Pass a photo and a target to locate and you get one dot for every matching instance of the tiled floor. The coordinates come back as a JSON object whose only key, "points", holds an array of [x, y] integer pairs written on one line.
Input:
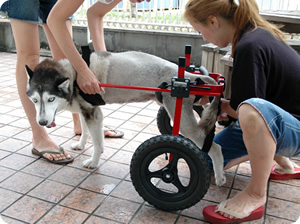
{"points": [[34, 191]]}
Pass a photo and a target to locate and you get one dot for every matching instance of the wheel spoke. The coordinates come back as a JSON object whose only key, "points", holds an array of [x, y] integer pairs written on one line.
{"points": [[157, 174], [177, 183], [173, 163]]}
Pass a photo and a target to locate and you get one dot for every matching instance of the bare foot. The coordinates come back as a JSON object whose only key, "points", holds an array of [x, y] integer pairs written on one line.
{"points": [[44, 143], [284, 162], [244, 203], [107, 133], [77, 130]]}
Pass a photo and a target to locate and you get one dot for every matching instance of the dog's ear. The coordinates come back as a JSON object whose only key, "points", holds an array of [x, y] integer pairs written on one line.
{"points": [[29, 71], [64, 84]]}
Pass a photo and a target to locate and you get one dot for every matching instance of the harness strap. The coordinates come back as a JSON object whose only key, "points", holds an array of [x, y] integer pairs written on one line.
{"points": [[158, 95], [86, 53]]}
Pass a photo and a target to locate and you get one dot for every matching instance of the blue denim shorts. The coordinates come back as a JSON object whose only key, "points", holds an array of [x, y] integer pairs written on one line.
{"points": [[33, 11], [284, 128]]}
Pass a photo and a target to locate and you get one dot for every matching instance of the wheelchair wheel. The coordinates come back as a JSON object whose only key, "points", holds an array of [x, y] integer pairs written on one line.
{"points": [[164, 122], [170, 172]]}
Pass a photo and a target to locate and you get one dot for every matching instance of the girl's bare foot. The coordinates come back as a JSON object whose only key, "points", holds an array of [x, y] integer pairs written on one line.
{"points": [[244, 203], [42, 142]]}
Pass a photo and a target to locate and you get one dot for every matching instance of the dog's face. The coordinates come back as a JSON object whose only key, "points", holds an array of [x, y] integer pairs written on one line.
{"points": [[49, 90]]}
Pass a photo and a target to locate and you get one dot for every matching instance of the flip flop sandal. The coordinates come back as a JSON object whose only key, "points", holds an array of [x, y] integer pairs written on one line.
{"points": [[62, 161], [211, 213], [117, 134], [280, 173]]}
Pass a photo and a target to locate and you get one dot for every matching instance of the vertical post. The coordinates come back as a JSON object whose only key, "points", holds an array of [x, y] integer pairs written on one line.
{"points": [[188, 52], [179, 100]]}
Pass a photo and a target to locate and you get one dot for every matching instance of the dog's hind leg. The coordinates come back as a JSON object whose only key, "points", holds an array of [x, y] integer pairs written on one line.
{"points": [[207, 123], [94, 122], [216, 156], [189, 127]]}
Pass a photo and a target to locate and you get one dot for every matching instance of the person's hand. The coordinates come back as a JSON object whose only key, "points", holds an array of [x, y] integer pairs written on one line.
{"points": [[204, 100], [222, 116], [138, 1], [87, 82]]}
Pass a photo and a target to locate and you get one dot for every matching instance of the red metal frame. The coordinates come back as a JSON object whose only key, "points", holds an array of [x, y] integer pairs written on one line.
{"points": [[212, 90], [206, 90]]}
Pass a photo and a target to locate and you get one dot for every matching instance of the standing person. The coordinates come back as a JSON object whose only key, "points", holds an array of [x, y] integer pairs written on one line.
{"points": [[62, 10], [265, 98], [95, 15], [86, 80], [25, 17]]}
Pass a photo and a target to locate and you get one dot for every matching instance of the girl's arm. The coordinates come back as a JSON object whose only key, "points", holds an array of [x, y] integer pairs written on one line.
{"points": [[58, 16], [225, 107]]}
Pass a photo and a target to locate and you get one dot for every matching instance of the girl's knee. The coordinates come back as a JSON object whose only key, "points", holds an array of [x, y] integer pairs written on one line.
{"points": [[31, 59], [250, 119], [247, 114], [94, 13]]}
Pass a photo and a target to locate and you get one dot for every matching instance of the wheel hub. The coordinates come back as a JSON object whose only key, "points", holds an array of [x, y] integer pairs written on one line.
{"points": [[168, 176]]}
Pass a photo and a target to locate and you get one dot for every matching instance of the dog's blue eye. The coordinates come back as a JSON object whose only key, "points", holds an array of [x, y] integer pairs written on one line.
{"points": [[34, 100], [51, 99]]}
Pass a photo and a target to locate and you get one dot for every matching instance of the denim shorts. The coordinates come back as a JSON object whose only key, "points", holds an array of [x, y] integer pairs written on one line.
{"points": [[33, 11], [284, 128]]}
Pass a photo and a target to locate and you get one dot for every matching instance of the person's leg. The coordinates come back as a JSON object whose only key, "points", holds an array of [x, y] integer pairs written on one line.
{"points": [[95, 15], [57, 54], [261, 150], [28, 53]]}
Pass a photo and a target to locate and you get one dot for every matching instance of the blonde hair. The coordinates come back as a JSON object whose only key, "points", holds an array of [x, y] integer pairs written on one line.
{"points": [[246, 13]]}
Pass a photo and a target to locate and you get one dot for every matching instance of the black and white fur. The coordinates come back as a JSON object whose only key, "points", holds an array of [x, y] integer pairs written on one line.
{"points": [[51, 88]]}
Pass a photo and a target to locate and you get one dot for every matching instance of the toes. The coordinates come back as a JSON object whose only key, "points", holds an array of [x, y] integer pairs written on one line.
{"points": [[49, 156], [58, 157], [226, 215]]}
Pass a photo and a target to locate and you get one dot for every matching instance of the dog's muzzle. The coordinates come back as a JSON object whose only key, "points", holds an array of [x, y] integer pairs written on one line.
{"points": [[45, 122]]}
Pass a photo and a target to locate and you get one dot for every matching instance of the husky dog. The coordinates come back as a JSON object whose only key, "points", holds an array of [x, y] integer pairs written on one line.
{"points": [[52, 88]]}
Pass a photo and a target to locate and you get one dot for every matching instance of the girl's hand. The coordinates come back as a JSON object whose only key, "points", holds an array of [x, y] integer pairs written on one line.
{"points": [[222, 116], [88, 83], [204, 100]]}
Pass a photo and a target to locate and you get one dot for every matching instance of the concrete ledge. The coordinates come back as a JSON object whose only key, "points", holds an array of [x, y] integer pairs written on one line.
{"points": [[162, 44]]}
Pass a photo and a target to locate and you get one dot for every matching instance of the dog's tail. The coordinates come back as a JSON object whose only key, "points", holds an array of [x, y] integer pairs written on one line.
{"points": [[209, 115]]}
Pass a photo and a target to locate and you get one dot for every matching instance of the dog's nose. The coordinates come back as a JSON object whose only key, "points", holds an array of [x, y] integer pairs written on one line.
{"points": [[43, 122]]}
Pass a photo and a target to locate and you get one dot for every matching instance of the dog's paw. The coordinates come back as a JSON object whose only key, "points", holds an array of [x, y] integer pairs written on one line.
{"points": [[89, 163], [77, 146], [220, 179]]}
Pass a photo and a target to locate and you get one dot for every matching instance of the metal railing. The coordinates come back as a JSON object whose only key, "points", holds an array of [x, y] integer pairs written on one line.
{"points": [[278, 5], [163, 15]]}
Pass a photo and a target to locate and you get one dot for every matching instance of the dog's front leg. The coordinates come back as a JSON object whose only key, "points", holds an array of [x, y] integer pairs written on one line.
{"points": [[94, 121], [216, 156], [84, 135]]}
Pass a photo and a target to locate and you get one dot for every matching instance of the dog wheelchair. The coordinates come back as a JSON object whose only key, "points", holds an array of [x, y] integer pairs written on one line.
{"points": [[169, 171]]}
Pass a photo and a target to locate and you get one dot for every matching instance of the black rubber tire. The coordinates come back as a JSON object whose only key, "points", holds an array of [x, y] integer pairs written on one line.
{"points": [[164, 122], [180, 148]]}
